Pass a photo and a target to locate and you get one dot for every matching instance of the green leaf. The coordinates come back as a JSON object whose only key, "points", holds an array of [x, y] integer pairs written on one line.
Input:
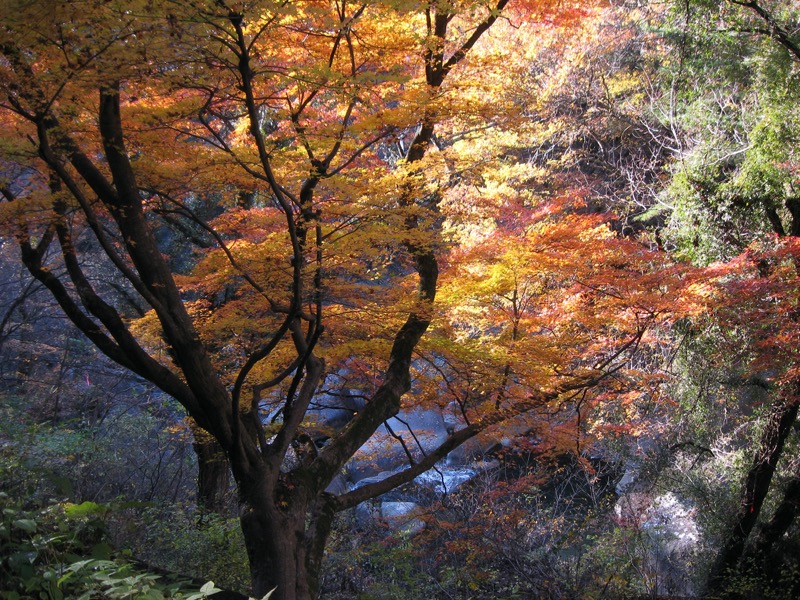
{"points": [[83, 509], [64, 578], [18, 559], [209, 587], [28, 525], [101, 551], [77, 566]]}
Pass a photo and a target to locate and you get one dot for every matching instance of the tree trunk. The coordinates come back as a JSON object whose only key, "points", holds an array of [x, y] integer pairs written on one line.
{"points": [[275, 538], [766, 557], [277, 563], [213, 477], [771, 533], [756, 486]]}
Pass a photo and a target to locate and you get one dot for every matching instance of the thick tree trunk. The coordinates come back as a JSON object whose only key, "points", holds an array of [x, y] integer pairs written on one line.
{"points": [[285, 524], [277, 563], [275, 538], [756, 486]]}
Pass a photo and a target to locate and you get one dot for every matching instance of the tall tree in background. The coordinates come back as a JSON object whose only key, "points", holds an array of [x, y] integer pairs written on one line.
{"points": [[337, 145], [734, 198]]}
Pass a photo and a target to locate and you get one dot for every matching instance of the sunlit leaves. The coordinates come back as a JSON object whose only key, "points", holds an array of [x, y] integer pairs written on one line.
{"points": [[274, 137]]}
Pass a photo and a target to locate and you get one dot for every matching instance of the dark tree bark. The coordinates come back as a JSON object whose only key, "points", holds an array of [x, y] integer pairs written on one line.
{"points": [[213, 475], [770, 533], [756, 487]]}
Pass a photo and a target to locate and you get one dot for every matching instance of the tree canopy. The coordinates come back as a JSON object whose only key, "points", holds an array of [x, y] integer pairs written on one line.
{"points": [[508, 213]]}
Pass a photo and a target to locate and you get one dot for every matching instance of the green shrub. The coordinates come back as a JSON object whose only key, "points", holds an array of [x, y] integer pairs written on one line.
{"points": [[176, 538], [60, 551]]}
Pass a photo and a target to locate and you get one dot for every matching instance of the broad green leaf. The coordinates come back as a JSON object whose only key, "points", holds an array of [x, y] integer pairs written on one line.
{"points": [[28, 525]]}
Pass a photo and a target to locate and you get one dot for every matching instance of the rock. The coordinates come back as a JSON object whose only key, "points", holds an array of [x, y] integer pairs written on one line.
{"points": [[400, 516], [338, 486], [670, 533]]}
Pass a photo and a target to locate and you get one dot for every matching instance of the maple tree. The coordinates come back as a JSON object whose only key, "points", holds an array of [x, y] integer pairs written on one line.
{"points": [[333, 160]]}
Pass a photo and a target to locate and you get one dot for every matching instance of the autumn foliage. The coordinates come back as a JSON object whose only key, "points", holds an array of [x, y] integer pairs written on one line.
{"points": [[260, 206]]}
